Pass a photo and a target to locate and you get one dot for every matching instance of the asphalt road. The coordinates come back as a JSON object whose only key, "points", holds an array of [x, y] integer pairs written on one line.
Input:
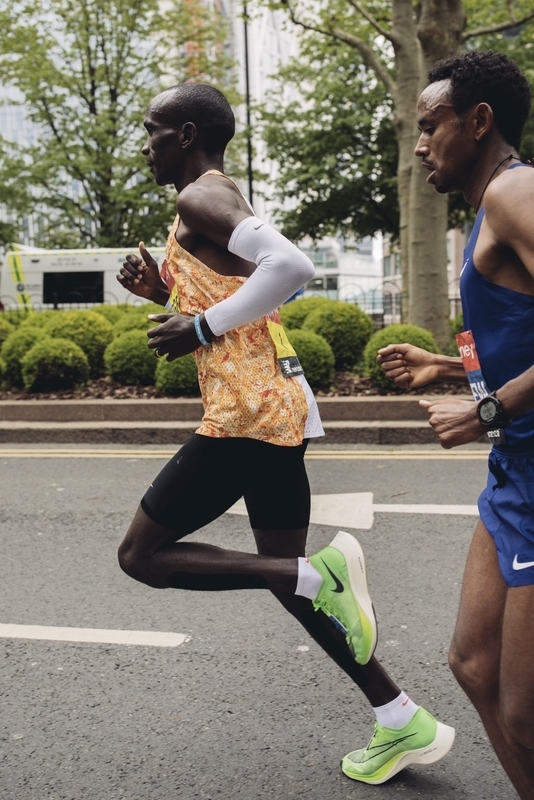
{"points": [[246, 707]]}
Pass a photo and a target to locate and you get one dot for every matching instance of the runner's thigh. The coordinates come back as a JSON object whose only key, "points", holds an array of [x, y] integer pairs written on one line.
{"points": [[202, 481]]}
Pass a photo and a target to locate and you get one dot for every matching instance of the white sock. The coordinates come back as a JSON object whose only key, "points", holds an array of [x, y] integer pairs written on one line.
{"points": [[397, 713], [309, 580]]}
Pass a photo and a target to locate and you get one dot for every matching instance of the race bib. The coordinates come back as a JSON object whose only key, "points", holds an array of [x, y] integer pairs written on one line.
{"points": [[285, 352], [479, 388]]}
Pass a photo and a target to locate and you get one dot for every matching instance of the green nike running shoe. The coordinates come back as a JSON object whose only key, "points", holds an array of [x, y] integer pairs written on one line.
{"points": [[344, 596], [423, 740]]}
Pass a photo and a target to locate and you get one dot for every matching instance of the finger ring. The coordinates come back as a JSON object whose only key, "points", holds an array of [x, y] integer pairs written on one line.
{"points": [[158, 354]]}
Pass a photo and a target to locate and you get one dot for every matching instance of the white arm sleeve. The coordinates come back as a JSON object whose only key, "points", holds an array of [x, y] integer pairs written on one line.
{"points": [[281, 269]]}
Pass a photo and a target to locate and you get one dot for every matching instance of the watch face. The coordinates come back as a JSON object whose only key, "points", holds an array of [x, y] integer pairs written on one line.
{"points": [[487, 411]]}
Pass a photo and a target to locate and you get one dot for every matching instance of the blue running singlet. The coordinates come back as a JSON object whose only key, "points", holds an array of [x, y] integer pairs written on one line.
{"points": [[502, 323]]}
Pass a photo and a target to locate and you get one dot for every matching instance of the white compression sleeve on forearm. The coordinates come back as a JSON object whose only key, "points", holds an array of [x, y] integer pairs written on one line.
{"points": [[281, 269]]}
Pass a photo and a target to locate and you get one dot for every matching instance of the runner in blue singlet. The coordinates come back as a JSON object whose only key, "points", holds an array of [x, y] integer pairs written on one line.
{"points": [[471, 116]]}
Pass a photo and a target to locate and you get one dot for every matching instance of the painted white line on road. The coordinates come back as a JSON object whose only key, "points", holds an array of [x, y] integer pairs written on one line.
{"points": [[92, 635], [356, 509], [422, 508]]}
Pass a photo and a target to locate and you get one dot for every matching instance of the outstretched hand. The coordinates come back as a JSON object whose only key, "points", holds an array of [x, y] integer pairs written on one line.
{"points": [[408, 366], [140, 276], [174, 337]]}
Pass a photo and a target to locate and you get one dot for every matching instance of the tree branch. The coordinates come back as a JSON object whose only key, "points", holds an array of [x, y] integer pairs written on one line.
{"points": [[503, 26], [366, 52], [372, 20]]}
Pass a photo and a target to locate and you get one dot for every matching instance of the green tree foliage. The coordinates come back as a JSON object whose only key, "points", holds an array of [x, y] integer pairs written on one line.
{"points": [[85, 71], [335, 145]]}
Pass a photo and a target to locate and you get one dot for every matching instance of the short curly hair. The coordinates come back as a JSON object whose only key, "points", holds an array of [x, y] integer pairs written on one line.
{"points": [[492, 78], [204, 105]]}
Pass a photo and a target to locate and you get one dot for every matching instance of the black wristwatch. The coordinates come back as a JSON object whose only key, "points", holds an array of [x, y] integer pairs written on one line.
{"points": [[491, 413]]}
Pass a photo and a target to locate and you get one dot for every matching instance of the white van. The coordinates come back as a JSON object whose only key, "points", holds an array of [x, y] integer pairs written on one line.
{"points": [[44, 279]]}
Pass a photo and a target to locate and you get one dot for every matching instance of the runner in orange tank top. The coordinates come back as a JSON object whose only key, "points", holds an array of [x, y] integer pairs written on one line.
{"points": [[224, 275]]}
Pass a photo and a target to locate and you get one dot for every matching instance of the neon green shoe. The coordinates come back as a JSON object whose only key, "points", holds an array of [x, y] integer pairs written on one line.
{"points": [[423, 740], [344, 596]]}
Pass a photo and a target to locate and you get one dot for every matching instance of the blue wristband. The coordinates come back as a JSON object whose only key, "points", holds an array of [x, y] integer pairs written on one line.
{"points": [[199, 332]]}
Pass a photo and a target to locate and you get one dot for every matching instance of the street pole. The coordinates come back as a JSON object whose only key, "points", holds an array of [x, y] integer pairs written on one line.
{"points": [[247, 102]]}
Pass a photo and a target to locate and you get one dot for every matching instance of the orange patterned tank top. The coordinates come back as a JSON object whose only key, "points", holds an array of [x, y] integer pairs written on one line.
{"points": [[243, 389]]}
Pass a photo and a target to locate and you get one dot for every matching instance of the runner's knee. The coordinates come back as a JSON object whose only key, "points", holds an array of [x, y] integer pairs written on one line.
{"points": [[476, 672], [138, 565]]}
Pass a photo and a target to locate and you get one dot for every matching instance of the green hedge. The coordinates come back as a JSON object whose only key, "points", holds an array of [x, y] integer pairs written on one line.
{"points": [[2, 369], [394, 334], [16, 315], [53, 365], [179, 377], [315, 355], [294, 313], [128, 359], [39, 319], [13, 351], [345, 327], [6, 329], [88, 330], [132, 322], [112, 313]]}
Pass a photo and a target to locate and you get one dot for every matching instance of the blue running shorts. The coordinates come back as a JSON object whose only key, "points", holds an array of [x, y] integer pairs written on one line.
{"points": [[506, 508]]}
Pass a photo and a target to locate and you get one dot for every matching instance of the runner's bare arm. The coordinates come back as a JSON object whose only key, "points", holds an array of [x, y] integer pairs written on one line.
{"points": [[411, 367]]}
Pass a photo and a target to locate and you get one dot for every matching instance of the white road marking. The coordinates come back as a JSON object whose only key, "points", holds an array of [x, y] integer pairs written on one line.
{"points": [[92, 635], [356, 509]]}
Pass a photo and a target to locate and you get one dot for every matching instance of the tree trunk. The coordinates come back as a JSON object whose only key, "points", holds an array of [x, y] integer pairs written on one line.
{"points": [[406, 46], [423, 212], [439, 29]]}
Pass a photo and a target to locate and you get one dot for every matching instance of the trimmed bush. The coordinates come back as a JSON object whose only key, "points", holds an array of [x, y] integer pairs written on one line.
{"points": [[345, 327], [132, 322], [394, 334], [6, 329], [147, 308], [53, 365], [129, 361], [179, 377], [2, 369], [315, 355], [112, 313], [88, 330], [13, 351], [294, 313], [39, 319], [16, 315]]}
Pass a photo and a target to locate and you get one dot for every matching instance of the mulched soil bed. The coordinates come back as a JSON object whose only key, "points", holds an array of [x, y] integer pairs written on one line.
{"points": [[343, 385]]}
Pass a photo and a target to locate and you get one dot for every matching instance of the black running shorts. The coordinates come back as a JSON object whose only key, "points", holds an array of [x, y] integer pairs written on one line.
{"points": [[207, 476]]}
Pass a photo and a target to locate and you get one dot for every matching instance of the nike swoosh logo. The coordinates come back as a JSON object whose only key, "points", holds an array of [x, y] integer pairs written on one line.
{"points": [[380, 749], [339, 585], [522, 564], [257, 227]]}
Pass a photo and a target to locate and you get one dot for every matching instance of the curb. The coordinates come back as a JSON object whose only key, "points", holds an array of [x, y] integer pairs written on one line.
{"points": [[347, 420]]}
